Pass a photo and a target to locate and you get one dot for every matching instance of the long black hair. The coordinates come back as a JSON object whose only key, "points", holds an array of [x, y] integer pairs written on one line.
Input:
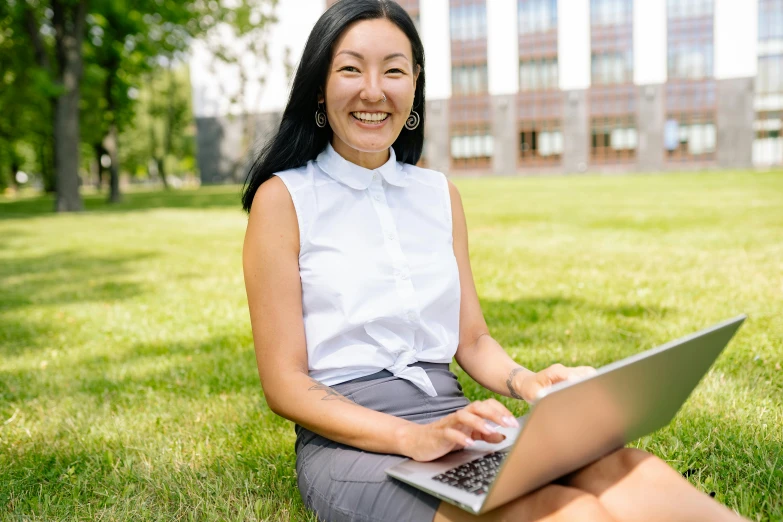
{"points": [[298, 139]]}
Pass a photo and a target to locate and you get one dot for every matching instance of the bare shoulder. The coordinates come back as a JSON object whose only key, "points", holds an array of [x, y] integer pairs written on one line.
{"points": [[273, 215], [454, 193]]}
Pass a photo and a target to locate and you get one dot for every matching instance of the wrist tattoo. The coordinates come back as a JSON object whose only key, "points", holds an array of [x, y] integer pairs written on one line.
{"points": [[331, 394], [510, 383]]}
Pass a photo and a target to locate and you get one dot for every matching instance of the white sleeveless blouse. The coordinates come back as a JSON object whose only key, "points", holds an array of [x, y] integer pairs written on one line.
{"points": [[380, 284]]}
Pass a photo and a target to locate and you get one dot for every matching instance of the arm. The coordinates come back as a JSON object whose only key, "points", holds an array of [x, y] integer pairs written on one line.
{"points": [[274, 292], [478, 353]]}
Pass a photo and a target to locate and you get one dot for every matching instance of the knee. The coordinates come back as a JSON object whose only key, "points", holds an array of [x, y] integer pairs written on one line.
{"points": [[560, 503], [631, 460], [627, 459]]}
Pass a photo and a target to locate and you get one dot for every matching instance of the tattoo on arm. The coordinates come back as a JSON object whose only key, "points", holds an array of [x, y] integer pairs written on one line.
{"points": [[510, 381], [331, 395]]}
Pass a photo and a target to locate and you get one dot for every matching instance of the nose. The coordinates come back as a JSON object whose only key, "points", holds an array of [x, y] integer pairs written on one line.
{"points": [[371, 88]]}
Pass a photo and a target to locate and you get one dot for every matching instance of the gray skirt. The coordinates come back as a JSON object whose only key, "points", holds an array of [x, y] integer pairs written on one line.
{"points": [[343, 483]]}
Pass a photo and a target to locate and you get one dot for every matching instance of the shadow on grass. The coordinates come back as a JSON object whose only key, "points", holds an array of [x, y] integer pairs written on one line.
{"points": [[226, 196], [528, 322], [226, 363], [76, 477], [194, 370], [57, 278], [66, 276], [249, 480]]}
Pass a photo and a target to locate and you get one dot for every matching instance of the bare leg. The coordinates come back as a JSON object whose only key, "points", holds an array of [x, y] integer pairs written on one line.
{"points": [[552, 503], [636, 486]]}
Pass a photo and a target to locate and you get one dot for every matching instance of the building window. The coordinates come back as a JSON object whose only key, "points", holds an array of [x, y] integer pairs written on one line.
{"points": [[768, 143], [469, 79], [468, 21], [537, 16], [611, 12], [688, 137], [690, 39], [539, 101], [471, 147], [469, 115], [612, 67], [540, 142], [613, 139], [538, 75], [691, 92], [612, 96]]}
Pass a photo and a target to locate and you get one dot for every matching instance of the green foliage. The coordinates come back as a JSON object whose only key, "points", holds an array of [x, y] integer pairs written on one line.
{"points": [[128, 383], [163, 126], [126, 43], [25, 90]]}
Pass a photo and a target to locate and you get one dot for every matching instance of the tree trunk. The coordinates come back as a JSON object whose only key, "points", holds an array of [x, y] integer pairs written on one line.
{"points": [[45, 154], [100, 170], [14, 169], [160, 163], [66, 152], [68, 21], [110, 143], [167, 139]]}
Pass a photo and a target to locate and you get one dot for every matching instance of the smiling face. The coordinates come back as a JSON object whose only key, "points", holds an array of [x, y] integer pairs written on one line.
{"points": [[371, 59]]}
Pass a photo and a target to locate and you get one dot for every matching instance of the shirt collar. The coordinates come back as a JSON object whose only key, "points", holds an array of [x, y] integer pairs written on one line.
{"points": [[356, 177]]}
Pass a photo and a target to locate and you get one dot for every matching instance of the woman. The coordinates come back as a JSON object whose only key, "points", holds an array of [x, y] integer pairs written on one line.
{"points": [[360, 293]]}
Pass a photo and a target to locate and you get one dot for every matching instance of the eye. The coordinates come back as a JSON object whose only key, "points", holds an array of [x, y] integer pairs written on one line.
{"points": [[396, 71], [351, 67]]}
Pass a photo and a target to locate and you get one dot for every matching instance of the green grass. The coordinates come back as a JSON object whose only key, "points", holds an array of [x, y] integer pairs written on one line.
{"points": [[128, 384]]}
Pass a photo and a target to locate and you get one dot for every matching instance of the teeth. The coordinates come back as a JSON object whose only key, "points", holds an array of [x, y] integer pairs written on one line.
{"points": [[370, 116]]}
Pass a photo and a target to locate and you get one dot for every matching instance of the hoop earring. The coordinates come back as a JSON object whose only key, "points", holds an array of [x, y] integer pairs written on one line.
{"points": [[320, 117], [413, 120]]}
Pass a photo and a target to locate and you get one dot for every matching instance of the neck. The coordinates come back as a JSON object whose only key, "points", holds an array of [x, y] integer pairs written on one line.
{"points": [[368, 160]]}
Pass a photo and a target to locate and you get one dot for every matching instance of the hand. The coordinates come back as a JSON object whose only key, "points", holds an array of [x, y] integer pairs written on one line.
{"points": [[530, 385], [425, 442]]}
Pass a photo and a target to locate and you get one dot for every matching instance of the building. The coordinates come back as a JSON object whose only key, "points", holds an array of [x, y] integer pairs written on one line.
{"points": [[561, 86]]}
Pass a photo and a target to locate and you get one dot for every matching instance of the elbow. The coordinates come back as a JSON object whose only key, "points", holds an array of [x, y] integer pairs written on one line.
{"points": [[274, 404]]}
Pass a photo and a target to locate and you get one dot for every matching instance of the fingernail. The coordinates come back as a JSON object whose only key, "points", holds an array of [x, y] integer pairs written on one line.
{"points": [[469, 441], [511, 422], [490, 428]]}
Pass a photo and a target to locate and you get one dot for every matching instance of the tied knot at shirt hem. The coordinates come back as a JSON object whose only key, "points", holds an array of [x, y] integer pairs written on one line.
{"points": [[414, 374]]}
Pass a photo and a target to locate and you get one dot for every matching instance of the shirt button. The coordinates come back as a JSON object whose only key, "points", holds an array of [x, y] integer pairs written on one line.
{"points": [[404, 276], [374, 177], [391, 237], [377, 197]]}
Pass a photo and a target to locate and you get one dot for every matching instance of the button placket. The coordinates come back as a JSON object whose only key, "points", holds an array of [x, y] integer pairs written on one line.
{"points": [[399, 261]]}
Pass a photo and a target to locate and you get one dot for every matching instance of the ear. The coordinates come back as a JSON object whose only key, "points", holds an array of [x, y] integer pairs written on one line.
{"points": [[416, 76], [321, 97]]}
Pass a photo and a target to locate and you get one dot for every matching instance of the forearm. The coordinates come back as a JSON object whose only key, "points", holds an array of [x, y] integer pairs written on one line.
{"points": [[322, 410], [490, 366]]}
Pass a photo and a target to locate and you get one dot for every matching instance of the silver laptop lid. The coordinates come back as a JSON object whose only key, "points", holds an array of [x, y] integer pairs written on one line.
{"points": [[577, 423]]}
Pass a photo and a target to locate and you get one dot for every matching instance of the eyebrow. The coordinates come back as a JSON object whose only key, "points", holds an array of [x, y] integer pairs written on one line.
{"points": [[385, 59]]}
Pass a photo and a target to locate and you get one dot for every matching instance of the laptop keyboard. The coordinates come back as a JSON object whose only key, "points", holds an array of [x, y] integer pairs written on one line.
{"points": [[474, 476]]}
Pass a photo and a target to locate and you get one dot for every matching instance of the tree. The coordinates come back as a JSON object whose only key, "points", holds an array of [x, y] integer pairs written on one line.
{"points": [[161, 138], [68, 19], [25, 109], [116, 41]]}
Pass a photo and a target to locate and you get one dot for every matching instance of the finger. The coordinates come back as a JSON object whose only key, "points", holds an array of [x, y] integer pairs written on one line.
{"points": [[457, 437], [552, 375], [468, 418], [581, 372], [492, 438], [495, 412]]}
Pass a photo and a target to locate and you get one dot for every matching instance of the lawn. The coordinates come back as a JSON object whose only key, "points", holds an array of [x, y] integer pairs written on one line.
{"points": [[128, 384]]}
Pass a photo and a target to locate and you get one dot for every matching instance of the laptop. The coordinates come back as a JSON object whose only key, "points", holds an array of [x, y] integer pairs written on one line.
{"points": [[572, 424]]}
